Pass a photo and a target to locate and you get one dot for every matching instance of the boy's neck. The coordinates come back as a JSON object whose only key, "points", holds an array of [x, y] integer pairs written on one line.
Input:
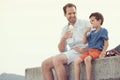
{"points": [[98, 28]]}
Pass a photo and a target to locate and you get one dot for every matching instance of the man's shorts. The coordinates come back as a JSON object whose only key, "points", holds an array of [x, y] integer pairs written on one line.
{"points": [[71, 55], [94, 53]]}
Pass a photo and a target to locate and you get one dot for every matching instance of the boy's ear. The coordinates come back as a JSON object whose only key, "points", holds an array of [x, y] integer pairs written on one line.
{"points": [[100, 21]]}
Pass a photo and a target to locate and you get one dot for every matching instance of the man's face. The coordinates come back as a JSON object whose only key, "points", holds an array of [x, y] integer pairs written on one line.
{"points": [[71, 14]]}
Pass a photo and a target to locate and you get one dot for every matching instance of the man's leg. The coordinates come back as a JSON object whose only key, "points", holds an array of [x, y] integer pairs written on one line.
{"points": [[88, 67], [77, 68], [47, 66], [59, 62]]}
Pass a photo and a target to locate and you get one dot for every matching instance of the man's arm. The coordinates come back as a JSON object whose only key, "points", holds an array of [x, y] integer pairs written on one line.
{"points": [[62, 44]]}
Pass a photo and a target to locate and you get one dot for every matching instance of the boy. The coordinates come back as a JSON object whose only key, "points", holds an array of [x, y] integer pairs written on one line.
{"points": [[97, 40]]}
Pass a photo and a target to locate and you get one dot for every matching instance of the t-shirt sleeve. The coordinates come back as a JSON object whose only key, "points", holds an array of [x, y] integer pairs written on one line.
{"points": [[63, 32], [105, 35]]}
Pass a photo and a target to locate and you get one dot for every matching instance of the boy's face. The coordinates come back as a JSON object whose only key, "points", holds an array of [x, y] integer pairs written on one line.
{"points": [[71, 14], [96, 23]]}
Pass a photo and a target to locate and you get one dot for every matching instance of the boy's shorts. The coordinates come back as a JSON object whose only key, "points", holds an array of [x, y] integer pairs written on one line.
{"points": [[94, 53], [71, 55]]}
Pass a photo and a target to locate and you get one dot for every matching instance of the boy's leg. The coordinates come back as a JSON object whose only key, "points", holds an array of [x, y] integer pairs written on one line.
{"points": [[77, 68], [87, 61], [93, 54], [47, 66], [77, 65], [59, 64]]}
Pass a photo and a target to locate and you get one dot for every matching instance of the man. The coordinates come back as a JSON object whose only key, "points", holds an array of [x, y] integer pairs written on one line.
{"points": [[59, 61]]}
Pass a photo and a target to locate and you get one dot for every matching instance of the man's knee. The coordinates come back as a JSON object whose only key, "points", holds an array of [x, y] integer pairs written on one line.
{"points": [[44, 64], [59, 60], [77, 61], [47, 64], [56, 61]]}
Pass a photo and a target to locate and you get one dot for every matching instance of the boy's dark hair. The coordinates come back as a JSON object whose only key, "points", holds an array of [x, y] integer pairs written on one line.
{"points": [[98, 16], [68, 5]]}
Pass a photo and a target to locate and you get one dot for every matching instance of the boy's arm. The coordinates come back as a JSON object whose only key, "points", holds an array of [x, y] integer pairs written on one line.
{"points": [[85, 34], [106, 43], [85, 38]]}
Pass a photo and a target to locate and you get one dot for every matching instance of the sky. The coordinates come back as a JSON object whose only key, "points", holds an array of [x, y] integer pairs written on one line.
{"points": [[30, 29]]}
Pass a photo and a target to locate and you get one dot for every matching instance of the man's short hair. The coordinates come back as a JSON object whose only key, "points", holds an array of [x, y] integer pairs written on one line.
{"points": [[68, 5]]}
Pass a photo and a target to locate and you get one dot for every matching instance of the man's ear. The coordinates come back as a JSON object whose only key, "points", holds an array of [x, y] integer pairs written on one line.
{"points": [[64, 14]]}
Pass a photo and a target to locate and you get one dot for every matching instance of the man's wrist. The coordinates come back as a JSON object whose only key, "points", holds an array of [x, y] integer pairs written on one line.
{"points": [[64, 37]]}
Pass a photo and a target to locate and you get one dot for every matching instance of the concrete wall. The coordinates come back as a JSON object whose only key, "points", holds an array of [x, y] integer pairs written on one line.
{"points": [[103, 69]]}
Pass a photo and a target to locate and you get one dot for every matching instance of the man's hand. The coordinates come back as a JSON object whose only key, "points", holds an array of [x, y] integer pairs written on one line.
{"points": [[80, 50], [77, 49], [68, 34]]}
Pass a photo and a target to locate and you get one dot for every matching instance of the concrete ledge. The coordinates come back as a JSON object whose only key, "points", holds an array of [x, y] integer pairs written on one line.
{"points": [[35, 74], [103, 69]]}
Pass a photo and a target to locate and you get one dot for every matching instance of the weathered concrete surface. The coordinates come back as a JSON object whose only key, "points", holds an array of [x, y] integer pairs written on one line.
{"points": [[103, 69], [35, 74]]}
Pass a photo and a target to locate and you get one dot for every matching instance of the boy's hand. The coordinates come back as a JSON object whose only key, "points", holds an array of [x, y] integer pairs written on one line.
{"points": [[87, 31], [102, 55]]}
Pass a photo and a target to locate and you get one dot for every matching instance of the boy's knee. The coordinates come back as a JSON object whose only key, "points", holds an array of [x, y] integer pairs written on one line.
{"points": [[88, 59]]}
